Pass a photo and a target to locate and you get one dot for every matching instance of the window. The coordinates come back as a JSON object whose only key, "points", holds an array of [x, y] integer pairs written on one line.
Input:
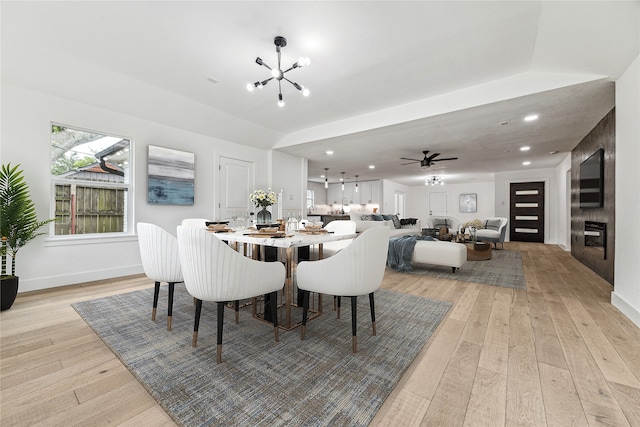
{"points": [[310, 199], [91, 180]]}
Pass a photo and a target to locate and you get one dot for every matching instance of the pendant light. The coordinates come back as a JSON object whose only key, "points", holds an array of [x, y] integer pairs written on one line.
{"points": [[326, 178], [356, 183], [342, 179]]}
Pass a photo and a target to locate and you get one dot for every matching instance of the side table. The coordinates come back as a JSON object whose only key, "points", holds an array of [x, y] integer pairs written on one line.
{"points": [[478, 251]]}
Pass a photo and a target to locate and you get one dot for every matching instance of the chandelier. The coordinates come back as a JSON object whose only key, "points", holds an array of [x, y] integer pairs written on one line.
{"points": [[278, 74], [434, 180]]}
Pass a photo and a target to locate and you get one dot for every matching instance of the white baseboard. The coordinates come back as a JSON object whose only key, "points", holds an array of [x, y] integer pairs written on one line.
{"points": [[627, 309], [71, 279]]}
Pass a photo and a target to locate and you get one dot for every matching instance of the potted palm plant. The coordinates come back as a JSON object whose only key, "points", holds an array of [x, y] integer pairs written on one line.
{"points": [[18, 226]]}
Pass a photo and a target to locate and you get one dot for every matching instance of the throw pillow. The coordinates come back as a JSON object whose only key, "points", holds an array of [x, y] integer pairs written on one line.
{"points": [[366, 217], [408, 221], [377, 217], [387, 217], [493, 224], [396, 221]]}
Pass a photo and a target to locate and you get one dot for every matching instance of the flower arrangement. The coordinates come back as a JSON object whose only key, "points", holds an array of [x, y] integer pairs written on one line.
{"points": [[476, 223], [263, 198]]}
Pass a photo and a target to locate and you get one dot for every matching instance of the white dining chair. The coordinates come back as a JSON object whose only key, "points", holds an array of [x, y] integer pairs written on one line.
{"points": [[160, 262], [338, 228], [215, 272], [356, 270], [194, 222]]}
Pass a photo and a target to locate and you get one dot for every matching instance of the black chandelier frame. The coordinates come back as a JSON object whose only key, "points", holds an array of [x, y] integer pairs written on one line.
{"points": [[278, 74]]}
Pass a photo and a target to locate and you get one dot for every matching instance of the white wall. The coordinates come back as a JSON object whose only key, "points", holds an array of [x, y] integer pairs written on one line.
{"points": [[419, 200], [551, 196], [387, 202], [25, 139], [289, 174], [562, 223], [626, 294]]}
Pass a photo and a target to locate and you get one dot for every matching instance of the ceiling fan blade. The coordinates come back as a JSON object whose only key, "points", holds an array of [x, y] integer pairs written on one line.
{"points": [[413, 160], [431, 157], [410, 163], [448, 158]]}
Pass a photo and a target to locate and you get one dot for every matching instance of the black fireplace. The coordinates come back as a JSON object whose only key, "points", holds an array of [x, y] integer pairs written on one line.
{"points": [[595, 236]]}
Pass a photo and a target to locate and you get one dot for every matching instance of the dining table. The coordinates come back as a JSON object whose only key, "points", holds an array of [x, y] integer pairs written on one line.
{"points": [[250, 241]]}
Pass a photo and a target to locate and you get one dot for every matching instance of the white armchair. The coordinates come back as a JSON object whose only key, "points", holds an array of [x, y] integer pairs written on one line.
{"points": [[495, 230], [215, 272], [356, 270], [160, 261]]}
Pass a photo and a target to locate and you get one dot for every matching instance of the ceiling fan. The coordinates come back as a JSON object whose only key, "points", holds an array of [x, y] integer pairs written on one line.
{"points": [[427, 161]]}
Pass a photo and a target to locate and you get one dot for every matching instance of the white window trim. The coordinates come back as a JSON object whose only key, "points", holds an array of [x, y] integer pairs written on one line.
{"points": [[74, 239]]}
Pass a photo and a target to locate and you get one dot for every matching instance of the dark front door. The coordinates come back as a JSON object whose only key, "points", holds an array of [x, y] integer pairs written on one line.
{"points": [[526, 212]]}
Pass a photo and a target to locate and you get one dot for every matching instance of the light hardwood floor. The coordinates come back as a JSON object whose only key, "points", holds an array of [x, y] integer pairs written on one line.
{"points": [[557, 354]]}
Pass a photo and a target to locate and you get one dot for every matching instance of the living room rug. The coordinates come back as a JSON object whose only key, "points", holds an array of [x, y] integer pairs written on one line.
{"points": [[503, 269], [314, 382]]}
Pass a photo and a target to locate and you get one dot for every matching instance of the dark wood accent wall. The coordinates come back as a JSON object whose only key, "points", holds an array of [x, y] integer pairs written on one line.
{"points": [[602, 136]]}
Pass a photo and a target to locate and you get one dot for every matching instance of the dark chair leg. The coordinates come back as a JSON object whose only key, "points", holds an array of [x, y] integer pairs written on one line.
{"points": [[236, 306], [170, 305], [305, 313], [219, 335], [338, 309], [453, 270], [354, 317], [274, 315], [196, 323], [156, 292], [373, 312]]}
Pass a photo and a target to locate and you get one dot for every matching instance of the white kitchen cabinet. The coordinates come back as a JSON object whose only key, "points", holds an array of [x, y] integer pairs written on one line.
{"points": [[368, 192]]}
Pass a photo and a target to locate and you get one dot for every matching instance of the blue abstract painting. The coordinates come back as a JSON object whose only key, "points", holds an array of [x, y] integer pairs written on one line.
{"points": [[170, 176]]}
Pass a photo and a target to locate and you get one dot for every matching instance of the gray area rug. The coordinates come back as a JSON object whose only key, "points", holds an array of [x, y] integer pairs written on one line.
{"points": [[260, 382], [503, 269]]}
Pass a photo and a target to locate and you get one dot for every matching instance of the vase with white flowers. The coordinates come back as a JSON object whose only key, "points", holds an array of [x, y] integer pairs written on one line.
{"points": [[263, 199], [473, 226]]}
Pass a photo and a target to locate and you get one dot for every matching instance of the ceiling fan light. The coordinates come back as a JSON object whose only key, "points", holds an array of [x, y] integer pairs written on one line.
{"points": [[251, 86], [305, 91]]}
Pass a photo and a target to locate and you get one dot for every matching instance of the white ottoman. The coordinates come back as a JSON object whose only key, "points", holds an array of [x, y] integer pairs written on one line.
{"points": [[437, 252]]}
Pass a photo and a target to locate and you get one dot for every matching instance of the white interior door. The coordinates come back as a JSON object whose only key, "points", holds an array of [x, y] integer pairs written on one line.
{"points": [[398, 202], [438, 204], [236, 183]]}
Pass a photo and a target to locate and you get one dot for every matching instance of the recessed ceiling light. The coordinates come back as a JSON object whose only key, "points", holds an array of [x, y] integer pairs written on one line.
{"points": [[527, 163], [372, 167], [328, 152], [531, 118], [525, 148]]}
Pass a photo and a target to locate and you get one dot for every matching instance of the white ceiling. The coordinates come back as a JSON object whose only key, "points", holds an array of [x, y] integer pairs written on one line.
{"points": [[387, 79]]}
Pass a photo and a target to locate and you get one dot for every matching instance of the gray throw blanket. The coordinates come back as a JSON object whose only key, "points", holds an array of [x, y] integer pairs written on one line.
{"points": [[400, 251]]}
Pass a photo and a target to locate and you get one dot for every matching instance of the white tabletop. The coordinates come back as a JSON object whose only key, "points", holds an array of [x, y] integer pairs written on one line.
{"points": [[292, 240]]}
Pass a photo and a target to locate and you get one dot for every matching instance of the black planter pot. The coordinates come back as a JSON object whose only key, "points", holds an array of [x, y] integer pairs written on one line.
{"points": [[9, 291]]}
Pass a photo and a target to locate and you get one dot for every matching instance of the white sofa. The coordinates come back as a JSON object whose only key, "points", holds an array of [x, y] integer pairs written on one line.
{"points": [[404, 230]]}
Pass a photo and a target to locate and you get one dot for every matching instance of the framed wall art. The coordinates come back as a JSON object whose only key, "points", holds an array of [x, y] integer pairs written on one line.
{"points": [[170, 176], [468, 203]]}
